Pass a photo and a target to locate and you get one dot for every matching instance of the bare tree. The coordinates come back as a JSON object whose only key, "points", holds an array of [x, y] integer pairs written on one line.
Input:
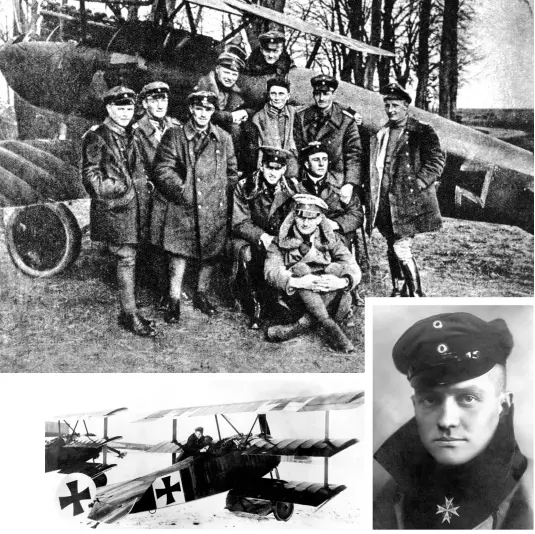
{"points": [[422, 69], [375, 40], [389, 42], [449, 69]]}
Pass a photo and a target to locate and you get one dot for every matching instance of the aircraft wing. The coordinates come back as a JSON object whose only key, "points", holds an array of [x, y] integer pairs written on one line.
{"points": [[89, 415], [86, 443], [305, 493], [236, 7], [313, 403], [324, 448]]}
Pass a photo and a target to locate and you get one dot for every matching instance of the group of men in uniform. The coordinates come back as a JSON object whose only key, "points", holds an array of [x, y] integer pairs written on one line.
{"points": [[291, 218]]}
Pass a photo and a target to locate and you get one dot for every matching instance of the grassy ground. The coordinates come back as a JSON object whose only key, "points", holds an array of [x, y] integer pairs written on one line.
{"points": [[69, 323]]}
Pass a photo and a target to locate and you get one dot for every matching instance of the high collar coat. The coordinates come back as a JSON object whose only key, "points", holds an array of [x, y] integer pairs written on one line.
{"points": [[417, 154], [190, 214]]}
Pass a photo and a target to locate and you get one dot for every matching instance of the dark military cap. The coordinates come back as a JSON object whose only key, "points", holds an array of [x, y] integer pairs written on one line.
{"points": [[271, 37], [450, 348], [154, 89], [324, 82], [200, 429], [278, 82], [231, 61], [394, 91], [312, 148], [271, 154], [309, 206], [202, 98], [120, 96]]}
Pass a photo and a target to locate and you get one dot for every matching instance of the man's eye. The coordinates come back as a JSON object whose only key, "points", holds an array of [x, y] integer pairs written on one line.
{"points": [[467, 399], [428, 401]]}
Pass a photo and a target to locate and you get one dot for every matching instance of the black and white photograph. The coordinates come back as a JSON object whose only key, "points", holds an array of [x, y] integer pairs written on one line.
{"points": [[207, 451], [218, 186], [453, 416]]}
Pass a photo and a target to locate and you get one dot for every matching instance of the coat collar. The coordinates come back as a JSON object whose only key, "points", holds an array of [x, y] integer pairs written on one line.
{"points": [[214, 86], [148, 128], [336, 117], [115, 128], [288, 239], [412, 125], [190, 131]]}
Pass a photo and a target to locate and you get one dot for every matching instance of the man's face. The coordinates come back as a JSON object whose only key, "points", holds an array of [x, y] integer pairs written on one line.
{"points": [[198, 433], [396, 110], [456, 422], [201, 115], [121, 115], [272, 52], [227, 77], [156, 106], [307, 225], [273, 173], [278, 96], [317, 164], [323, 98]]}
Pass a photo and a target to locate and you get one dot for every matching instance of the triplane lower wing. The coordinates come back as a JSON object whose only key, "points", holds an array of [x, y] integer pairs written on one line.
{"points": [[237, 464]]}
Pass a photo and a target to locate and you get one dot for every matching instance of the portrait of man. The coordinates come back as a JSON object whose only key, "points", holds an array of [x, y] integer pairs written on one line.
{"points": [[449, 452]]}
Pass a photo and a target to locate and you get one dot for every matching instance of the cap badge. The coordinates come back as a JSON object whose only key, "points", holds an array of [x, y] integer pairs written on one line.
{"points": [[437, 324], [448, 510], [474, 354], [442, 348]]}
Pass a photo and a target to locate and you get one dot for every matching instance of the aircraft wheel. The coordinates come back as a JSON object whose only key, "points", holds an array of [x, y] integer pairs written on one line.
{"points": [[283, 510], [43, 240], [101, 480]]}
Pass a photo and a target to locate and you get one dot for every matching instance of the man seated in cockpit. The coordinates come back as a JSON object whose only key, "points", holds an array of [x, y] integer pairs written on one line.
{"points": [[270, 58]]}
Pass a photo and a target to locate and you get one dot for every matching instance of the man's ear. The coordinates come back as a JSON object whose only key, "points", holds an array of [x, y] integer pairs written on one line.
{"points": [[307, 165], [413, 399], [506, 401]]}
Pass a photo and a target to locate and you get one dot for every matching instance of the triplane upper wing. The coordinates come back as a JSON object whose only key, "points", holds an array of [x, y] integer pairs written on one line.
{"points": [[237, 7]]}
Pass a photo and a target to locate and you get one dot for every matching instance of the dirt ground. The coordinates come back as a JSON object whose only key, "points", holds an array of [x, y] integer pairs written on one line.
{"points": [[69, 323]]}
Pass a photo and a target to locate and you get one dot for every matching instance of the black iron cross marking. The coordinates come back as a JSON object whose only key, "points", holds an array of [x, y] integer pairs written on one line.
{"points": [[75, 498], [168, 490]]}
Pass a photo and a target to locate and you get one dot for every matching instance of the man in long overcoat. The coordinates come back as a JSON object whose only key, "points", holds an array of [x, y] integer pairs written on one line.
{"points": [[405, 163], [194, 174], [337, 128], [261, 203], [115, 178]]}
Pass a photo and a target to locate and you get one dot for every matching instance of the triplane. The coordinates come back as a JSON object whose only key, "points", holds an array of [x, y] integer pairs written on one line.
{"points": [[244, 464]]}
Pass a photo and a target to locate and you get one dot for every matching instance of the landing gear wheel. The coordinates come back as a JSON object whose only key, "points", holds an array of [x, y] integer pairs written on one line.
{"points": [[101, 480], [43, 240], [282, 510]]}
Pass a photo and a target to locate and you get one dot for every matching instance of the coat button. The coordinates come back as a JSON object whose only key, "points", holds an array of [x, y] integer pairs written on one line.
{"points": [[199, 206], [412, 190]]}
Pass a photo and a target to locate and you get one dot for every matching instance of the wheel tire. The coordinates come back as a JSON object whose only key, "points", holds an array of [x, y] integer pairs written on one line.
{"points": [[43, 239], [283, 510], [101, 480]]}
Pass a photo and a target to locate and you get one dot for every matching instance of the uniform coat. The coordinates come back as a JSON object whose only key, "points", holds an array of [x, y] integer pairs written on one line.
{"points": [[348, 216], [327, 255], [340, 134], [149, 138], [190, 209], [114, 176], [417, 154]]}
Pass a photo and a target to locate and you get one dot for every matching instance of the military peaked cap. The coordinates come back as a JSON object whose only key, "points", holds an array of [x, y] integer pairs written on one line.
{"points": [[312, 148], [271, 37], [271, 154], [120, 96], [324, 82], [231, 61], [153, 89], [199, 429], [450, 348], [309, 206], [394, 91], [202, 98]]}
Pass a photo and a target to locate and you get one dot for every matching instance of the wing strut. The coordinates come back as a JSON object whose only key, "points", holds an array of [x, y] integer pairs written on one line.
{"points": [[173, 457], [326, 459], [217, 424], [233, 427], [313, 54], [105, 449]]}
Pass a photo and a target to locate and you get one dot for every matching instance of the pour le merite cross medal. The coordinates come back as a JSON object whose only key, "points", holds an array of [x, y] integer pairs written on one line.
{"points": [[448, 510]]}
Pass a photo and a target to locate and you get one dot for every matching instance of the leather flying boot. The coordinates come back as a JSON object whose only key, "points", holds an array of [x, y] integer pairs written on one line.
{"points": [[172, 313], [133, 323], [254, 323], [278, 333], [201, 302], [412, 278], [396, 274], [338, 341]]}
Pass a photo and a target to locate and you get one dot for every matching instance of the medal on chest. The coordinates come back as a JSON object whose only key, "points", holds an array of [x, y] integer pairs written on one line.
{"points": [[448, 510]]}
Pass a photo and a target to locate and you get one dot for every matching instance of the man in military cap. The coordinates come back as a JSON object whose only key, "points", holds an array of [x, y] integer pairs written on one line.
{"points": [[115, 178], [270, 58], [261, 203], [337, 128], [273, 125], [148, 130], [317, 179], [194, 174], [405, 163], [314, 272], [456, 464]]}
